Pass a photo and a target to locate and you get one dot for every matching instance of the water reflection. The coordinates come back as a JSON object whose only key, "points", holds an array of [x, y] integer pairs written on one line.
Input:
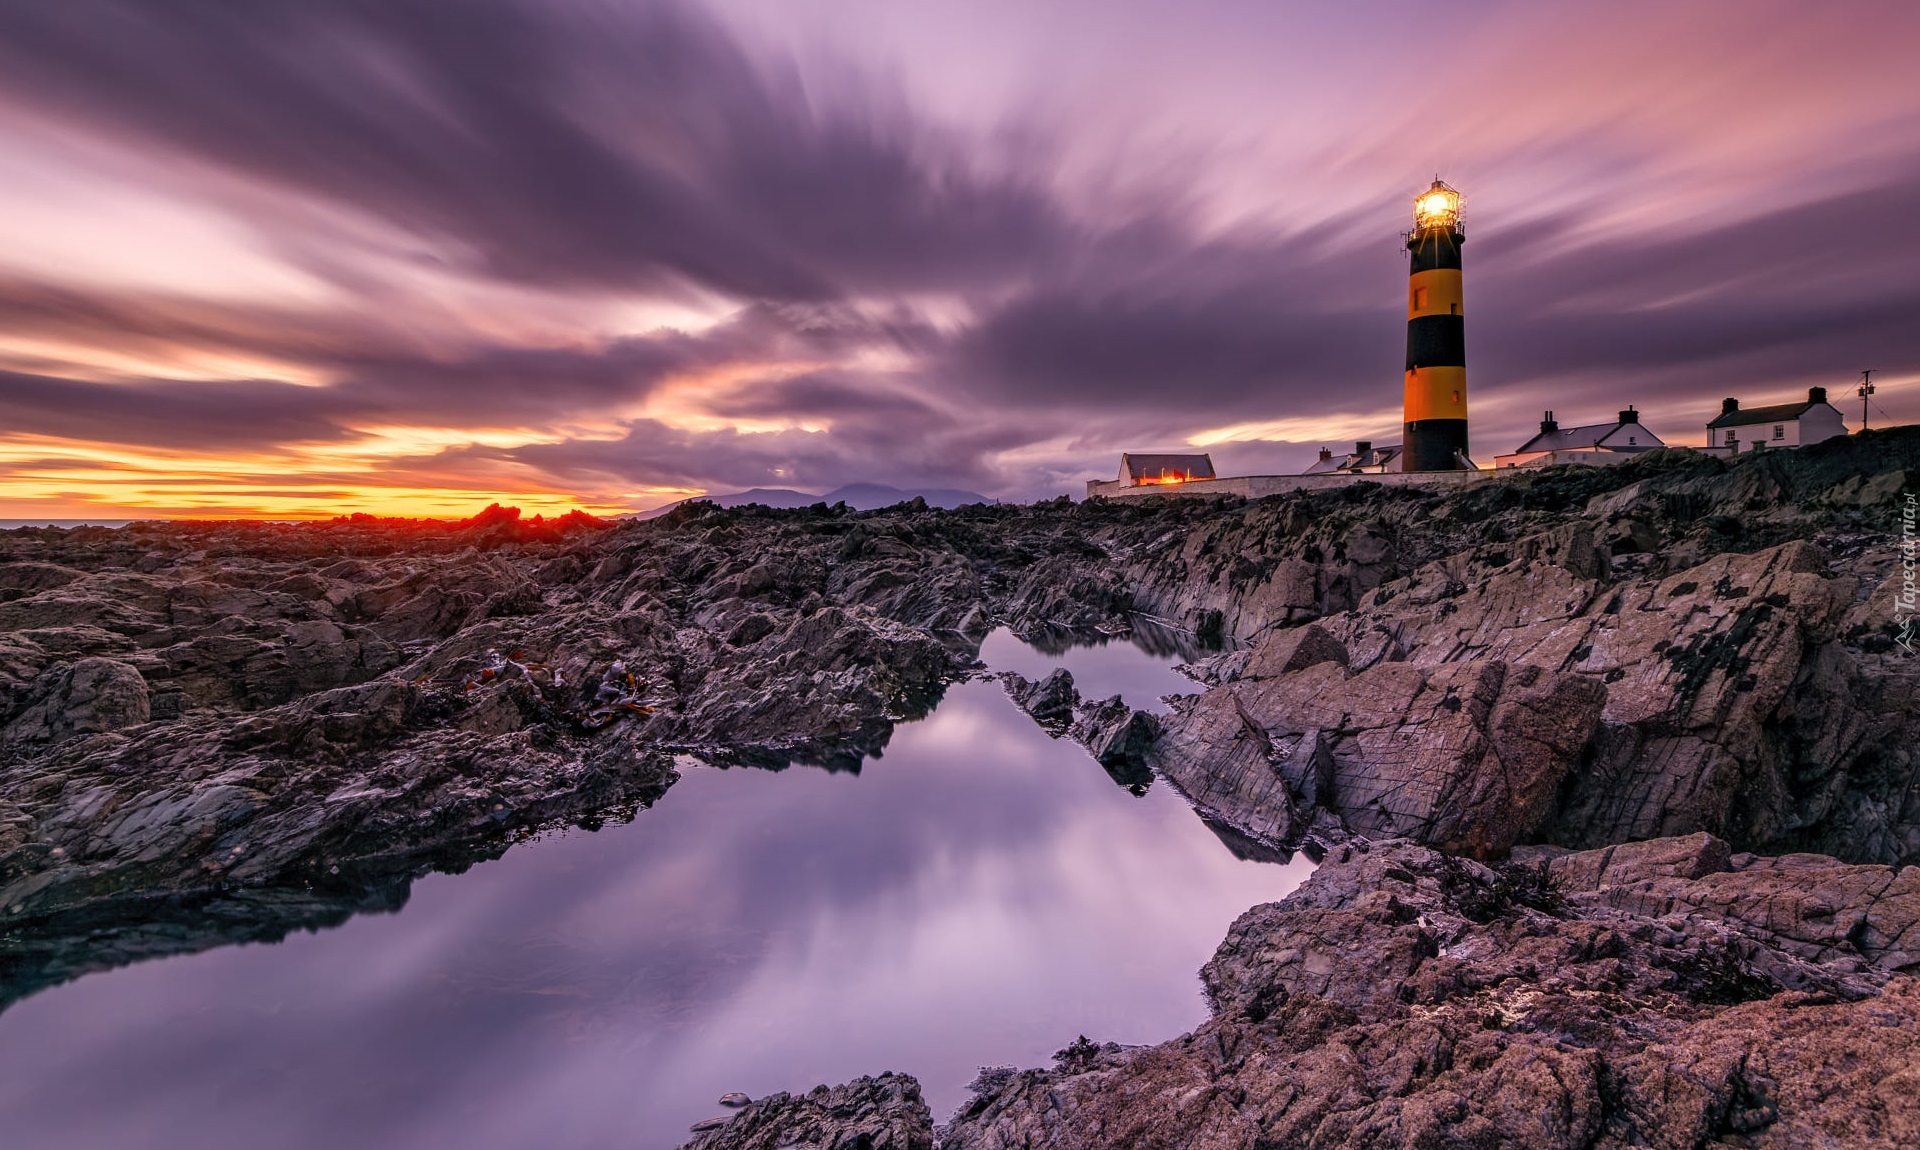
{"points": [[1139, 672], [980, 894], [1148, 635]]}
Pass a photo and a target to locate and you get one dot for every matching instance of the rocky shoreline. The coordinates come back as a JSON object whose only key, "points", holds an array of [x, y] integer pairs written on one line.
{"points": [[1661, 993], [222, 732]]}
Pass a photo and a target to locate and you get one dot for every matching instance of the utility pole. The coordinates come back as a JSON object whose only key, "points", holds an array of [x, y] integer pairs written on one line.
{"points": [[1866, 389]]}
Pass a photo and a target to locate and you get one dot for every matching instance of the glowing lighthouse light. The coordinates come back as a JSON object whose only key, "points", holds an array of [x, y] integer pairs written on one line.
{"points": [[1437, 207]]}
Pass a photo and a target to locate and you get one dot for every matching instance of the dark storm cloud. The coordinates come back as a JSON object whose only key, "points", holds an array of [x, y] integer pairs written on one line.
{"points": [[489, 387], [179, 414], [826, 395], [1255, 328], [561, 144], [1806, 288], [1230, 328], [380, 377], [898, 440]]}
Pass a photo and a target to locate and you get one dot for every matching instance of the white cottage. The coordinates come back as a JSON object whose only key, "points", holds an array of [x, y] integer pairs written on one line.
{"points": [[1364, 459], [1591, 443], [1739, 429]]}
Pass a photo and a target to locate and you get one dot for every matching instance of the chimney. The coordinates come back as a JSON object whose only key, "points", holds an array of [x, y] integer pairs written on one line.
{"points": [[1629, 415], [1362, 447], [1325, 455], [1729, 406], [1816, 395], [1547, 424]]}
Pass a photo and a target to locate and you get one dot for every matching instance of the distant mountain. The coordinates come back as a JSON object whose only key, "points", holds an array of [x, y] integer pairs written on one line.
{"points": [[868, 496], [765, 497], [859, 496]]}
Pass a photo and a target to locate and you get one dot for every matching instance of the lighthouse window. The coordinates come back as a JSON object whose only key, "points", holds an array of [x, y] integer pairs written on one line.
{"points": [[1456, 309], [1419, 298], [1631, 441], [1779, 432]]}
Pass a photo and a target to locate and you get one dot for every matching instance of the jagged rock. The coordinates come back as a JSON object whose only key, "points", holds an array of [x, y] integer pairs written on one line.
{"points": [[875, 1113], [20, 579], [1465, 756], [1732, 702], [1050, 702], [1117, 734], [1293, 650], [1400, 998], [1223, 760], [89, 696], [1864, 919], [1309, 770]]}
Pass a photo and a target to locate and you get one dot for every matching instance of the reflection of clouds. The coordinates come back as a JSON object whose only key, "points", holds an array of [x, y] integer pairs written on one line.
{"points": [[1043, 939], [980, 895]]}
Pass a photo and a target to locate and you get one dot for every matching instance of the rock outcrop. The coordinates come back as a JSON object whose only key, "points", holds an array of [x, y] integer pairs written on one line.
{"points": [[1117, 735], [86, 697], [1589, 698], [1468, 757], [879, 1113]]}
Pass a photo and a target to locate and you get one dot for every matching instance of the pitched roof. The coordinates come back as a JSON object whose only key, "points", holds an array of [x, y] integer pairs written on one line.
{"points": [[1192, 466], [1587, 435], [1375, 457], [1778, 413]]}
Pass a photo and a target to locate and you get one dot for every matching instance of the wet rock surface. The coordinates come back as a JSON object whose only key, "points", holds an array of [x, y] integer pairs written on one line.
{"points": [[222, 732]]}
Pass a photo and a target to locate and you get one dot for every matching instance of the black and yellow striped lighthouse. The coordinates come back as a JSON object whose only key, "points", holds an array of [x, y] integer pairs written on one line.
{"points": [[1436, 403]]}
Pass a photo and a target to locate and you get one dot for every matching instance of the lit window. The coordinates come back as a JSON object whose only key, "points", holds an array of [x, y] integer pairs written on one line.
{"points": [[1779, 432]]}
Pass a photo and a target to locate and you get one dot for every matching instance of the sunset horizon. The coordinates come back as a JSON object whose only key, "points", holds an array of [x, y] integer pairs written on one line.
{"points": [[303, 262]]}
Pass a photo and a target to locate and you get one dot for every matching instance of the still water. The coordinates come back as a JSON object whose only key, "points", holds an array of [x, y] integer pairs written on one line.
{"points": [[979, 895]]}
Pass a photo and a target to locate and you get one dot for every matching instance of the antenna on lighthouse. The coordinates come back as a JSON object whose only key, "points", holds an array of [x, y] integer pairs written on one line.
{"points": [[1866, 390]]}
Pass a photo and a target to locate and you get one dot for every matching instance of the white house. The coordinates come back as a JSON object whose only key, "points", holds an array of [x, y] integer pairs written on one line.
{"points": [[1739, 429], [1591, 443], [1364, 459]]}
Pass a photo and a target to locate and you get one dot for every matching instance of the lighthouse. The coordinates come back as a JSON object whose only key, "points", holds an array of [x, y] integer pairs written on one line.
{"points": [[1436, 397]]}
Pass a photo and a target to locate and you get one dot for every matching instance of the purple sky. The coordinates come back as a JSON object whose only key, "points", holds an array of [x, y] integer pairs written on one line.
{"points": [[412, 256]]}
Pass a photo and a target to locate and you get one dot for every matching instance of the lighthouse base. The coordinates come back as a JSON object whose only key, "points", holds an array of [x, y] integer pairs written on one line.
{"points": [[1435, 445]]}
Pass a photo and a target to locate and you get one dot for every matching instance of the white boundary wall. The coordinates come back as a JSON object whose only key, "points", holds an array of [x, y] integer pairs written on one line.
{"points": [[1260, 486]]}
